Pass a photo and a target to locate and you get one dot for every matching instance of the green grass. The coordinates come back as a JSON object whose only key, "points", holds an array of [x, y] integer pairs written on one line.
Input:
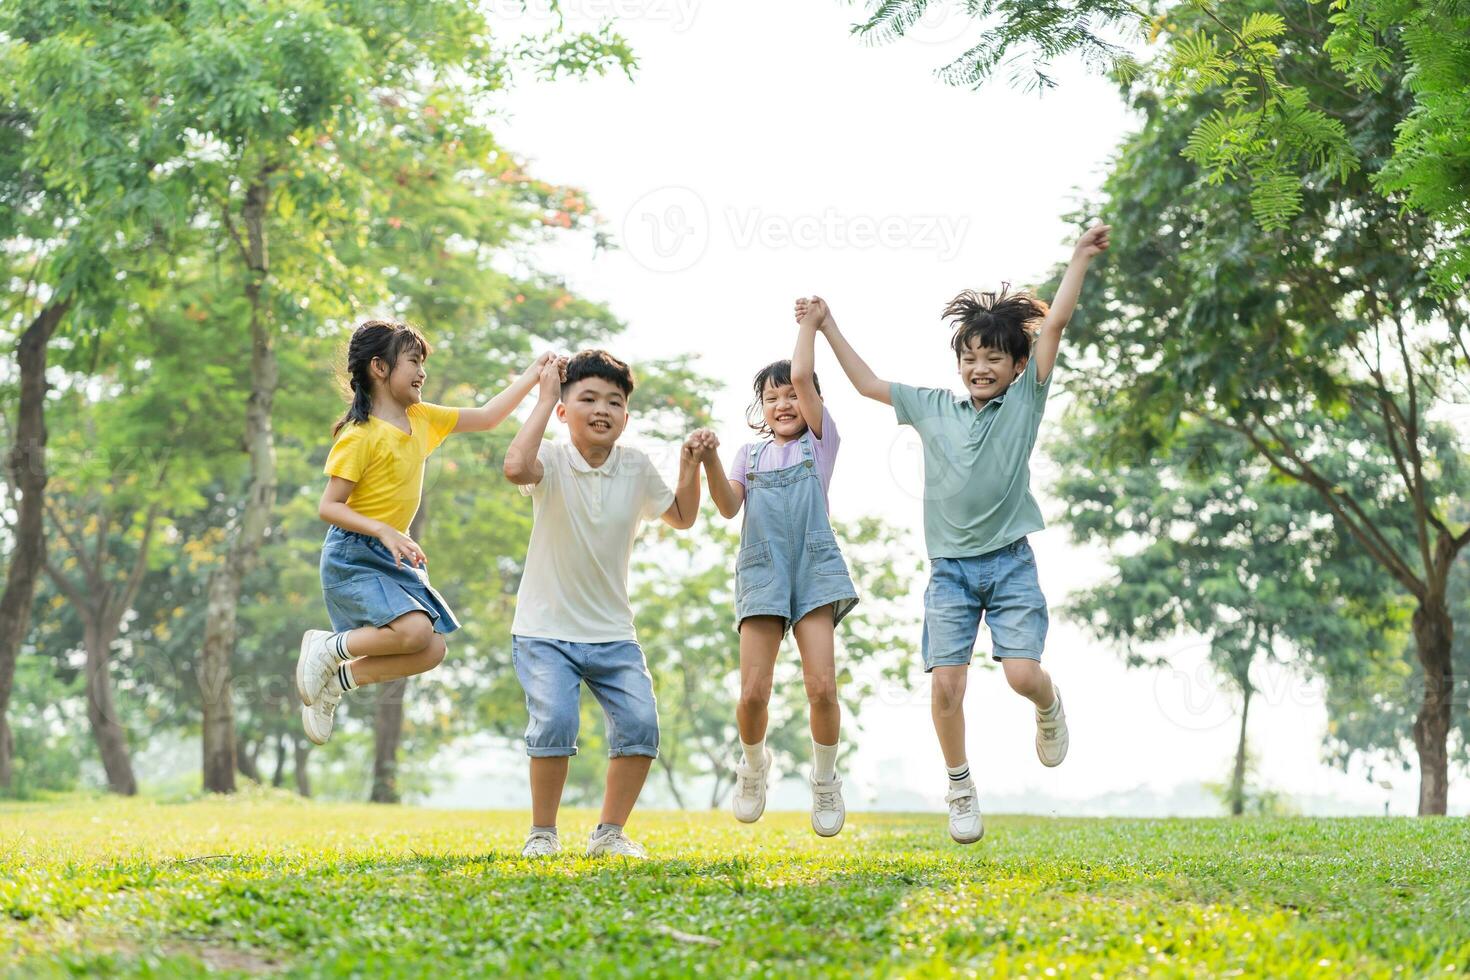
{"points": [[267, 884]]}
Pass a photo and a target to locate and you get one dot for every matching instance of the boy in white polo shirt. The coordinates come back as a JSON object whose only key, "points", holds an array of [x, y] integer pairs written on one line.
{"points": [[573, 623]]}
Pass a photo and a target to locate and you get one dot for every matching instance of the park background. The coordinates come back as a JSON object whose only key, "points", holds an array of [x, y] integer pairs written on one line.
{"points": [[662, 178]]}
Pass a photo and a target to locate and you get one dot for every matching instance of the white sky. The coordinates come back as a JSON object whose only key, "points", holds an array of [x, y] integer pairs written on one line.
{"points": [[763, 153]]}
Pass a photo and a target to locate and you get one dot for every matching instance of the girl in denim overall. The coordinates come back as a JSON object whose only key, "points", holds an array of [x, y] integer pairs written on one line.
{"points": [[790, 574]]}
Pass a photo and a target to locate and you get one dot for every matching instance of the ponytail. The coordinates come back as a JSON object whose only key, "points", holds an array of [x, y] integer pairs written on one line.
{"points": [[386, 339]]}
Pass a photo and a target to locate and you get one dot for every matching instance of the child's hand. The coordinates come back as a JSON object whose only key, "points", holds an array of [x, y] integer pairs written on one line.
{"points": [[403, 547], [533, 373], [706, 442], [809, 306], [1094, 242], [553, 372], [694, 448]]}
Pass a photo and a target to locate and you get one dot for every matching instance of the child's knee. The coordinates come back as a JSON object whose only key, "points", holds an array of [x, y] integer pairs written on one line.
{"points": [[415, 632], [1024, 676], [821, 692], [755, 695], [949, 687], [436, 651]]}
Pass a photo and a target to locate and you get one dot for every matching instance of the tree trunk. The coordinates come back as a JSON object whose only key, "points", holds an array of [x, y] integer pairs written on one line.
{"points": [[1237, 778], [667, 764], [26, 463], [245, 760], [218, 730], [278, 778], [303, 778], [387, 734], [107, 728], [388, 716], [1433, 635]]}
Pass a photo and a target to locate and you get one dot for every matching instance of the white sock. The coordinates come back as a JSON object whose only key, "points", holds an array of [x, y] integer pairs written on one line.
{"points": [[1056, 702], [337, 646], [959, 774], [755, 755], [343, 677], [824, 757]]}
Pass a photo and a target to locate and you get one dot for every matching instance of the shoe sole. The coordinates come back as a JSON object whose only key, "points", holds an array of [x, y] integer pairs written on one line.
{"points": [[1053, 765], [301, 669], [759, 813], [307, 730], [967, 840], [819, 832]]}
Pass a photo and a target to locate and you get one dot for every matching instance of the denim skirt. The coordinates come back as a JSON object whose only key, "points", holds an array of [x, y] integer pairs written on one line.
{"points": [[363, 587]]}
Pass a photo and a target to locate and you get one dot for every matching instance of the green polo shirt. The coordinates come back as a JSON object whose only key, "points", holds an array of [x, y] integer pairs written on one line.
{"points": [[977, 464]]}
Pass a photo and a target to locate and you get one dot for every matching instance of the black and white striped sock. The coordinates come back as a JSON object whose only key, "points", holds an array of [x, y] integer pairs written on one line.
{"points": [[959, 773], [337, 643], [344, 677]]}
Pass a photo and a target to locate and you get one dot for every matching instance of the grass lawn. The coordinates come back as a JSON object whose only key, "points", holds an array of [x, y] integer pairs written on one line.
{"points": [[269, 884]]}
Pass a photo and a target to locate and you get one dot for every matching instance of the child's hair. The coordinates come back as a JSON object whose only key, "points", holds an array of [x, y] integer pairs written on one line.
{"points": [[387, 339], [598, 364], [777, 374], [999, 320]]}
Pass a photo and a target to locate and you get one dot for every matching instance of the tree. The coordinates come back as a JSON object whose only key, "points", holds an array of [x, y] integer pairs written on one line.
{"points": [[1227, 551], [1265, 121], [1324, 345]]}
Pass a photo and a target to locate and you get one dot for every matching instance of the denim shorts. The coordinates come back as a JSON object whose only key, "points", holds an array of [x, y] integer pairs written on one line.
{"points": [[790, 578], [363, 587], [999, 585], [552, 671]]}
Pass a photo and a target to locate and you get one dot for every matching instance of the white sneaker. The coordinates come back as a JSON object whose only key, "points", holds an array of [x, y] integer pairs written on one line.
{"points": [[541, 843], [748, 801], [965, 825], [828, 810], [1051, 736], [615, 842], [316, 717], [314, 665]]}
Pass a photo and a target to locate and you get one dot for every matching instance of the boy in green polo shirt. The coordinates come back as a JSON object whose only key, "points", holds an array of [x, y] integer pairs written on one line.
{"points": [[978, 506]]}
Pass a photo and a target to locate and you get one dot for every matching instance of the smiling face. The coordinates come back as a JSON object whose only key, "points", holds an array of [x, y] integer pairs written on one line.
{"points": [[986, 372], [595, 412], [781, 412], [405, 382]]}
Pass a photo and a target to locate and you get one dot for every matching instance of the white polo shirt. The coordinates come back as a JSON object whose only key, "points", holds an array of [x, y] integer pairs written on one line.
{"points": [[575, 585]]}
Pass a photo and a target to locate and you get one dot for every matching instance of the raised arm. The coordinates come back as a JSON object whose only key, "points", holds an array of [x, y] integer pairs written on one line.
{"points": [[1089, 246], [498, 409], [868, 384], [521, 465], [681, 513], [804, 365]]}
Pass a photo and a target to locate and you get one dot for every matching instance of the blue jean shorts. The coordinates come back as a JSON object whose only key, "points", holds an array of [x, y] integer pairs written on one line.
{"points": [[1000, 586], [363, 587], [552, 671]]}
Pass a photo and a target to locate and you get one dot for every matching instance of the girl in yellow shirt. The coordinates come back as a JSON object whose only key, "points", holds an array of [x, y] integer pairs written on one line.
{"points": [[387, 620]]}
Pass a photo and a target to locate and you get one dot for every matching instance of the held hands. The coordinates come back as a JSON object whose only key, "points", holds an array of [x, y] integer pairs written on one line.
{"points": [[1094, 242], [813, 308], [699, 447], [551, 371], [403, 547]]}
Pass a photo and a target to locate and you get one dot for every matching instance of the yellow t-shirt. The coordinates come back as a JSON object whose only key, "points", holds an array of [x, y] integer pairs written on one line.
{"points": [[387, 464]]}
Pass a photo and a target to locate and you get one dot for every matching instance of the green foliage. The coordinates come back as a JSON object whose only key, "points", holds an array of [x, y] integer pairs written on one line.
{"points": [[267, 885]]}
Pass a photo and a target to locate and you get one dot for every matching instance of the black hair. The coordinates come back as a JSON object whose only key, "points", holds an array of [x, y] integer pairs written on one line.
{"points": [[998, 320], [386, 339], [598, 364], [777, 374]]}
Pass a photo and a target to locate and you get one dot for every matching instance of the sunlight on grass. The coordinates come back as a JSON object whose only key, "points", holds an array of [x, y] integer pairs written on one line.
{"points": [[273, 884]]}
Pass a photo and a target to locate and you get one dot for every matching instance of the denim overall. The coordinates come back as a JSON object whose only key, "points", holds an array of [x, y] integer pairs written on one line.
{"points": [[789, 561]]}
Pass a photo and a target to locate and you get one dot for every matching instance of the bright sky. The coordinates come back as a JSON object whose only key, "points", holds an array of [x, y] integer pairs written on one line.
{"points": [[762, 153]]}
